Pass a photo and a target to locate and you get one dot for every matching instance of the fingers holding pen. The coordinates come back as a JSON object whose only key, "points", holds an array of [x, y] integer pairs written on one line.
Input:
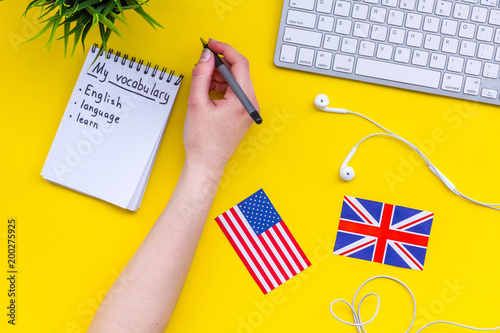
{"points": [[235, 61], [238, 66], [219, 87]]}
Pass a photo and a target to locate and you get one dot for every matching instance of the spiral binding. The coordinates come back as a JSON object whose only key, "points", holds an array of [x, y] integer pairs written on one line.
{"points": [[139, 65]]}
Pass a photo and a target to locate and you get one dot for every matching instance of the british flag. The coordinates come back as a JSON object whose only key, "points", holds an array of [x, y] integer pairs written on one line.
{"points": [[384, 233]]}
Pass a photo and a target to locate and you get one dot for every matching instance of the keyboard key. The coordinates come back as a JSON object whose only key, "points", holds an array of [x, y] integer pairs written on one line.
{"points": [[485, 51], [497, 36], [494, 17], [288, 53], [420, 58], [471, 86], [450, 45], [497, 54], [342, 8], [379, 32], [431, 24], [491, 3], [461, 11], [361, 29], [452, 82], [343, 27], [491, 70], [390, 3], [414, 39], [402, 54], [302, 4], [331, 42], [377, 14], [384, 51], [484, 33], [304, 37], [343, 63], [324, 6], [425, 6], [449, 27], [301, 19], [432, 42], [466, 30], [323, 60], [455, 64], [325, 23], [367, 48], [468, 48], [479, 14], [395, 17], [443, 8], [407, 4], [306, 56], [349, 45], [399, 73], [489, 93], [397, 36], [438, 61], [360, 11], [473, 67], [413, 21]]}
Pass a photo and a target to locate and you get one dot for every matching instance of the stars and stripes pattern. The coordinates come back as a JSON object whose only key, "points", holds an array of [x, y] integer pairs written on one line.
{"points": [[262, 241], [383, 233]]}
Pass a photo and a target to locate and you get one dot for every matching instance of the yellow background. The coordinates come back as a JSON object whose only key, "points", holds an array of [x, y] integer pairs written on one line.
{"points": [[71, 247]]}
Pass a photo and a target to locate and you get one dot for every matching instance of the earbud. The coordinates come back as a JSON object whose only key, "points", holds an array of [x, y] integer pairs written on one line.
{"points": [[347, 172], [321, 102]]}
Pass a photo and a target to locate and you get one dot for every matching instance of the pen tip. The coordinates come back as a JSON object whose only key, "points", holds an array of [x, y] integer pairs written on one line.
{"points": [[256, 117], [203, 41]]}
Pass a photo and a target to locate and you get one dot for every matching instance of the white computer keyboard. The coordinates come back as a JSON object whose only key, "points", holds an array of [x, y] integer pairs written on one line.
{"points": [[449, 48]]}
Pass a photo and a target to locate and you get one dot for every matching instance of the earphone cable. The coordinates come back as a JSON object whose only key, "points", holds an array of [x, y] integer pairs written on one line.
{"points": [[422, 155], [357, 315]]}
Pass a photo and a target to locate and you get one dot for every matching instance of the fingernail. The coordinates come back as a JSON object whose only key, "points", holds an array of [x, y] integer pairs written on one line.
{"points": [[213, 39], [205, 55]]}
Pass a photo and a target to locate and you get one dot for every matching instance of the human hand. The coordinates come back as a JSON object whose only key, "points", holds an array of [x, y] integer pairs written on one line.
{"points": [[214, 128]]}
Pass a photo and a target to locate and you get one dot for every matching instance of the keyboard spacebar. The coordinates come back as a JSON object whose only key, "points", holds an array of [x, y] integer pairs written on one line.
{"points": [[399, 73]]}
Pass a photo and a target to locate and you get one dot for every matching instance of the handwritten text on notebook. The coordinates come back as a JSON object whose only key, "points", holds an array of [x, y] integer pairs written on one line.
{"points": [[112, 128]]}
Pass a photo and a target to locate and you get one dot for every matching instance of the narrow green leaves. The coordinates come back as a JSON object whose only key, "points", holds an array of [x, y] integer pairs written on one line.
{"points": [[77, 17]]}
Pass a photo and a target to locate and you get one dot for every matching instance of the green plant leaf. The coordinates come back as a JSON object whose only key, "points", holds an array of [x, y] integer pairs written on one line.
{"points": [[109, 24], [45, 28], [78, 17], [120, 8], [53, 32], [78, 31], [67, 28], [84, 33]]}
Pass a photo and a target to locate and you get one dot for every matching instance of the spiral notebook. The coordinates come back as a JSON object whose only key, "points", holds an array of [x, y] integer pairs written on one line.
{"points": [[113, 125]]}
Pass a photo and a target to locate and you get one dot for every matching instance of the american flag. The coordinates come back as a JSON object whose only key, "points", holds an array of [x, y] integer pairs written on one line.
{"points": [[263, 241], [383, 233]]}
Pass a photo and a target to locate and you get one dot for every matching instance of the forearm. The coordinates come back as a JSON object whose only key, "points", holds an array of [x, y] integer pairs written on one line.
{"points": [[157, 271]]}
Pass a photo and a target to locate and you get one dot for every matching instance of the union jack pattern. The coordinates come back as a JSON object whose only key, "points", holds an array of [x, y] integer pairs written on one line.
{"points": [[383, 233]]}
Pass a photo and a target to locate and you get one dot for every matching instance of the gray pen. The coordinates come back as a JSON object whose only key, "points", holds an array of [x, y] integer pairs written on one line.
{"points": [[231, 81]]}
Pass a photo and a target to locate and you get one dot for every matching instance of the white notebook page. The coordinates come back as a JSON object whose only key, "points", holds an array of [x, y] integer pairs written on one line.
{"points": [[111, 129]]}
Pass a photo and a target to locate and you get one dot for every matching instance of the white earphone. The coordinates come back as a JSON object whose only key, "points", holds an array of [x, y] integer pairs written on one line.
{"points": [[347, 173], [321, 101], [360, 325]]}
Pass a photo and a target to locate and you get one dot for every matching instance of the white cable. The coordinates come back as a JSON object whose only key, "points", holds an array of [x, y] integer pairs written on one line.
{"points": [[431, 166], [372, 121], [357, 315]]}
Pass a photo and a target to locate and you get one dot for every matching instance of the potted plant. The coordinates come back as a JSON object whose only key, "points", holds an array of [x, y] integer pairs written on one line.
{"points": [[77, 17]]}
